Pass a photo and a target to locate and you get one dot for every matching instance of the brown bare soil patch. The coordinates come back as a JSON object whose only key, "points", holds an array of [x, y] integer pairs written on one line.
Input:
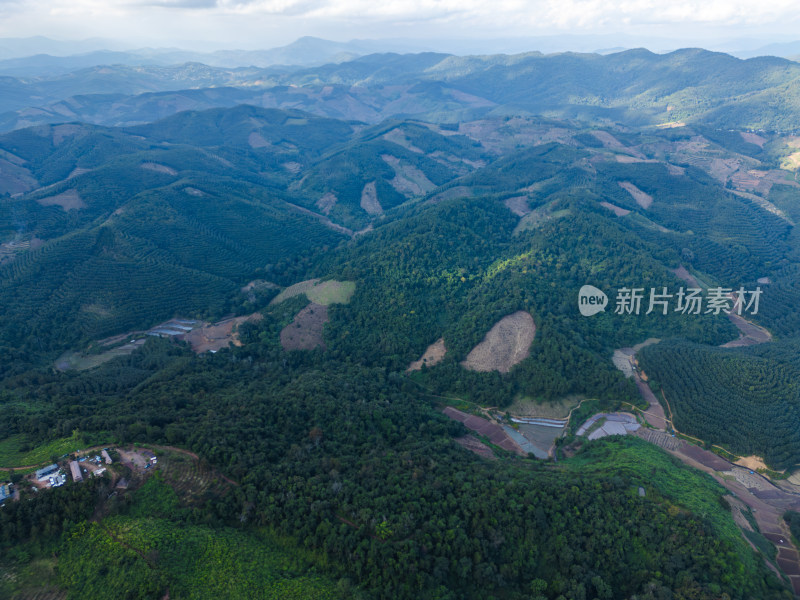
{"points": [[213, 337], [473, 444], [486, 428], [505, 345], [408, 179], [617, 210], [327, 202], [194, 192], [369, 200], [305, 332], [159, 168], [518, 205], [292, 167], [642, 199], [433, 355], [69, 200], [753, 138]]}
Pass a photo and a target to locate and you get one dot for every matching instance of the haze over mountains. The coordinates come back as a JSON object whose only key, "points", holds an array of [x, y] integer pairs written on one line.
{"points": [[634, 86]]}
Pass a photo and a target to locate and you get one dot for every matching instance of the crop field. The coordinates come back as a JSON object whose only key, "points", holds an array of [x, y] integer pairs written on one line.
{"points": [[15, 451], [325, 293]]}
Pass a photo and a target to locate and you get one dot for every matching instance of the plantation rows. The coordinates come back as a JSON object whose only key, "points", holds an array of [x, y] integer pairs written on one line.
{"points": [[746, 398]]}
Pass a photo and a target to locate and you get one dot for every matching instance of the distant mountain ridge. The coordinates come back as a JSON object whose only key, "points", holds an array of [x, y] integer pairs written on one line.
{"points": [[636, 87]]}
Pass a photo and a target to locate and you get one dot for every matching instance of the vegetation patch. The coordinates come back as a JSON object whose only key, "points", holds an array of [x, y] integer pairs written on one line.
{"points": [[324, 293], [17, 451]]}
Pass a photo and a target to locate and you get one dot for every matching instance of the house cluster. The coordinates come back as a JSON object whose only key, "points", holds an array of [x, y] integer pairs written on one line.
{"points": [[51, 476]]}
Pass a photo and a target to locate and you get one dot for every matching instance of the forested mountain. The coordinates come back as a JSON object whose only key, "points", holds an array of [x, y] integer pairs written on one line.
{"points": [[246, 287], [636, 87]]}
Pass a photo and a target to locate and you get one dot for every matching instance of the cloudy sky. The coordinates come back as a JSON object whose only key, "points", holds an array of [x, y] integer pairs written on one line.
{"points": [[267, 23]]}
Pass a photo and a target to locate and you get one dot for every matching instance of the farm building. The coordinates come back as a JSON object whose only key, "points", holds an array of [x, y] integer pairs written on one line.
{"points": [[106, 456], [5, 491], [44, 472], [75, 468]]}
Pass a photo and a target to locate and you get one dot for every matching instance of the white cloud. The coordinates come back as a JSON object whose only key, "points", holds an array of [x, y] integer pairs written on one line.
{"points": [[240, 21]]}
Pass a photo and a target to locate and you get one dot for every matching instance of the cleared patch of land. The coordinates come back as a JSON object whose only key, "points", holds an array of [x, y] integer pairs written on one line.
{"points": [[432, 355], [369, 200], [753, 138], [305, 331], [159, 168], [257, 285], [506, 344], [473, 444], [557, 409], [397, 136], [617, 210], [256, 140], [213, 337], [81, 362], [408, 179], [538, 216], [326, 202], [15, 179], [642, 199], [69, 200], [325, 293], [481, 426], [518, 205]]}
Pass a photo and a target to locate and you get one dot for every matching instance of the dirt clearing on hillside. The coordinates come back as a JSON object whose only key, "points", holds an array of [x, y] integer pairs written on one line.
{"points": [[557, 409], [505, 345], [69, 200], [213, 337], [369, 200], [753, 138], [305, 331], [408, 179], [619, 211], [327, 202], [159, 168], [473, 444], [518, 205], [433, 355], [642, 199]]}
